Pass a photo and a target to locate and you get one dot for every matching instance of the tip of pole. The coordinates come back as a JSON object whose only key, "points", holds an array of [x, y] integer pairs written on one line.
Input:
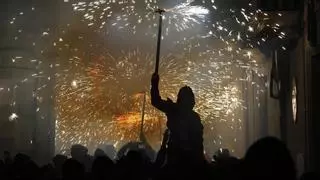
{"points": [[160, 11]]}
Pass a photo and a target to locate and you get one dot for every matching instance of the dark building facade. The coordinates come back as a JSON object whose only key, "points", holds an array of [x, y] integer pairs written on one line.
{"points": [[295, 79]]}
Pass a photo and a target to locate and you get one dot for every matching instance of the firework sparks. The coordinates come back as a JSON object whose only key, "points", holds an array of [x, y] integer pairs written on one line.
{"points": [[130, 14], [186, 9], [97, 97], [105, 96]]}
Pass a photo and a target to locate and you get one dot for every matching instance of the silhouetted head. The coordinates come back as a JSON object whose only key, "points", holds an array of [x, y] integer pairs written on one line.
{"points": [[6, 153], [134, 157], [99, 153], [59, 160], [186, 98], [24, 167], [78, 151], [72, 169], [269, 158], [7, 157], [102, 167], [21, 158]]}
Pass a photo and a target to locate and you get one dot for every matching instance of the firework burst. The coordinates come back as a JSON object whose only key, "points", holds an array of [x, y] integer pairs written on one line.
{"points": [[134, 16], [101, 101], [98, 89]]}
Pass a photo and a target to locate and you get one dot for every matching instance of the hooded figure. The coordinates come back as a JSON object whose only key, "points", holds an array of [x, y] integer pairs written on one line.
{"points": [[183, 122]]}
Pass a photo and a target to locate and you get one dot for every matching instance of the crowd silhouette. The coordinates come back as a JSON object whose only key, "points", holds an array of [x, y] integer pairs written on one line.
{"points": [[181, 155]]}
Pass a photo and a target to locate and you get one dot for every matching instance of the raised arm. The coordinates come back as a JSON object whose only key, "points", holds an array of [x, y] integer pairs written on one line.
{"points": [[156, 101]]}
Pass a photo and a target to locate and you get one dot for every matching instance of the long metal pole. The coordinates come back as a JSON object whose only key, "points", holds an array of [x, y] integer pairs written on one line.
{"points": [[159, 42], [142, 115], [160, 126]]}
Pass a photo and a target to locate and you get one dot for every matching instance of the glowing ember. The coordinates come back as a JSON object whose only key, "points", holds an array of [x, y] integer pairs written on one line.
{"points": [[13, 117]]}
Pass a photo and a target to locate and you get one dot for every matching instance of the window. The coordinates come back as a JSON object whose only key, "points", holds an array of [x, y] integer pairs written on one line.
{"points": [[294, 100]]}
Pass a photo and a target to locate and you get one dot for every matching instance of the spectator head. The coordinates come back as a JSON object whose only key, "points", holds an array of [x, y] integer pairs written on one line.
{"points": [[102, 167], [78, 151], [59, 160], [99, 153], [72, 169], [269, 158]]}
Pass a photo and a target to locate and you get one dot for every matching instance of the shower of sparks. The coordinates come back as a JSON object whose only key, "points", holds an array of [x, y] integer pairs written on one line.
{"points": [[130, 14], [186, 9], [233, 26], [106, 99], [98, 95], [106, 96], [185, 16]]}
